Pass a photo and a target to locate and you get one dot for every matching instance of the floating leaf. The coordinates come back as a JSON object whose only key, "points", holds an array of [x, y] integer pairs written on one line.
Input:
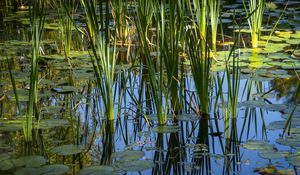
{"points": [[56, 169], [64, 89], [29, 161], [52, 123], [276, 125], [166, 129], [65, 150], [275, 107], [295, 160], [258, 145], [289, 141], [6, 165], [128, 155], [4, 156], [272, 38], [26, 171], [135, 165], [274, 155], [253, 103], [188, 117], [51, 109], [95, 170]]}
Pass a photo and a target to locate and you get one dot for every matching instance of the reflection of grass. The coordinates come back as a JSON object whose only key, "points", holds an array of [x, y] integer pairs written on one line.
{"points": [[66, 12], [103, 60], [36, 24]]}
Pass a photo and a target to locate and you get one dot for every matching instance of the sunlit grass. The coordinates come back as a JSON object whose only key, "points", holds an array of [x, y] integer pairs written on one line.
{"points": [[102, 57], [254, 13]]}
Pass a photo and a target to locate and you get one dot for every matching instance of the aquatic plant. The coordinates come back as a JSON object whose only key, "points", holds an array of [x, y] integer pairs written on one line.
{"points": [[201, 13], [254, 15], [102, 57], [214, 12], [154, 68], [172, 41], [200, 65], [119, 12], [37, 17]]}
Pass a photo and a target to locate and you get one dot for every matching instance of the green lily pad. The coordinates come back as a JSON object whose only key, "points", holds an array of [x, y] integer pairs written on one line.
{"points": [[166, 129], [52, 57], [293, 41], [290, 141], [135, 165], [26, 171], [128, 155], [274, 155], [294, 160], [52, 123], [188, 117], [272, 38], [276, 125], [296, 35], [29, 161], [259, 145], [275, 107], [95, 170], [4, 156], [65, 150], [6, 165], [56, 169], [51, 109], [263, 95], [278, 56], [64, 89], [253, 104]]}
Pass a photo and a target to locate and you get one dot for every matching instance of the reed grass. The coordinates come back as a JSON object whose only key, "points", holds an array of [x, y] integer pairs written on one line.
{"points": [[200, 65], [201, 13], [102, 58], [254, 13], [172, 41], [154, 68], [214, 12], [37, 18]]}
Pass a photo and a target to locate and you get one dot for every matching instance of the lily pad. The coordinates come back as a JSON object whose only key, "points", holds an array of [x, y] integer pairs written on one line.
{"points": [[52, 123], [4, 156], [26, 171], [65, 150], [95, 170], [274, 155], [64, 89], [166, 129], [295, 160], [128, 155], [51, 109], [259, 145], [135, 165], [253, 103], [187, 117], [29, 161], [6, 165], [56, 169], [289, 141]]}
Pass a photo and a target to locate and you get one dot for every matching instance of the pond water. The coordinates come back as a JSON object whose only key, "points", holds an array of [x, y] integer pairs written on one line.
{"points": [[253, 118]]}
